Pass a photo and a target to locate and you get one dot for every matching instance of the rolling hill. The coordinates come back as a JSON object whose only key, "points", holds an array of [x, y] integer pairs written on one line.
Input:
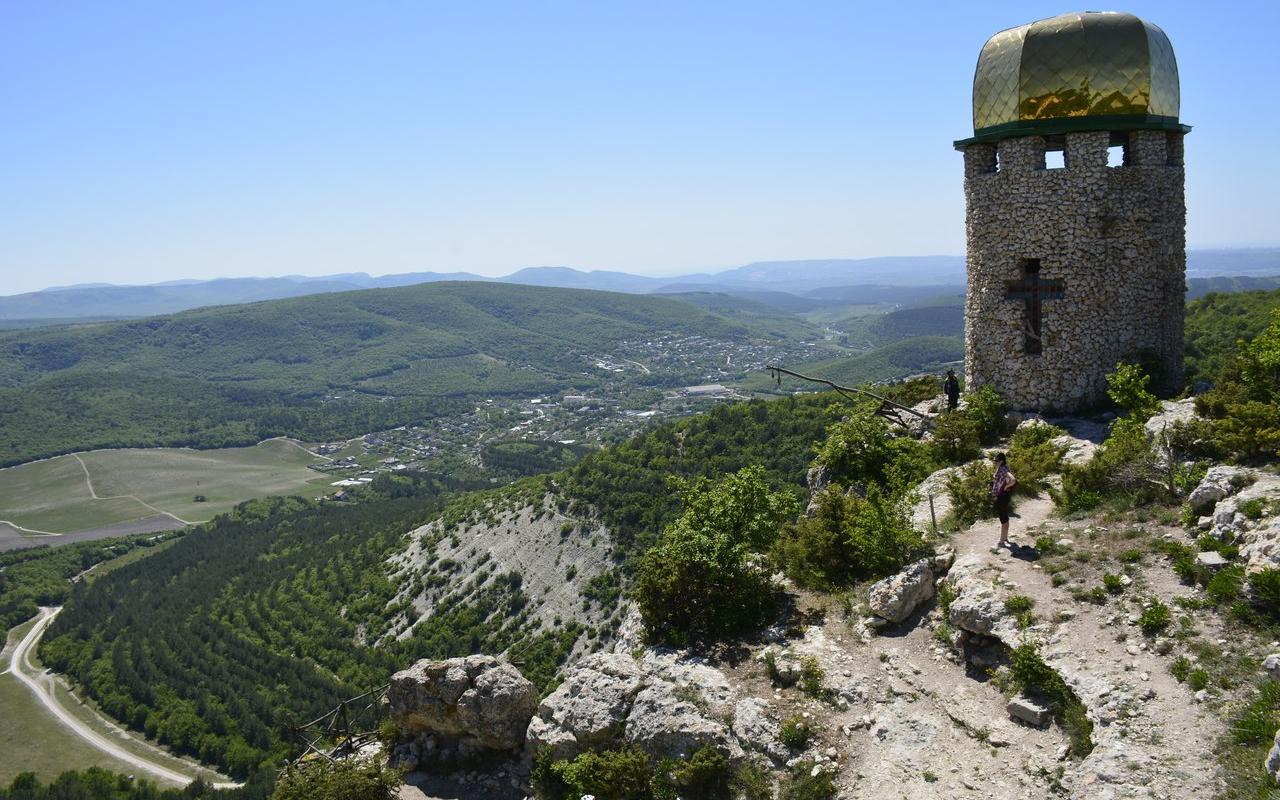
{"points": [[323, 366]]}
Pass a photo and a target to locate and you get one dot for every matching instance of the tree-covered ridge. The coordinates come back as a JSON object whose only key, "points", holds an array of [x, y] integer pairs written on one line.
{"points": [[318, 367], [1216, 322], [42, 576]]}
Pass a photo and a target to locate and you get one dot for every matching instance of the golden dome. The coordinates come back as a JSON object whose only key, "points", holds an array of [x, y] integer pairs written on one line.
{"points": [[1081, 71]]}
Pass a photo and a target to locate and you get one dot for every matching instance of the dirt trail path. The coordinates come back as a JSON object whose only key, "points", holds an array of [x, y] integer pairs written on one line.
{"points": [[1152, 739], [42, 685]]}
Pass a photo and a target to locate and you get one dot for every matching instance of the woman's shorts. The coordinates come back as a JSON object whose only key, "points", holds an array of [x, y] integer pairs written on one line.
{"points": [[1002, 507]]}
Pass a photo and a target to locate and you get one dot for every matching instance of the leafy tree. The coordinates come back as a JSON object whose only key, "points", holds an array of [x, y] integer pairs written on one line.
{"points": [[701, 578], [1127, 388]]}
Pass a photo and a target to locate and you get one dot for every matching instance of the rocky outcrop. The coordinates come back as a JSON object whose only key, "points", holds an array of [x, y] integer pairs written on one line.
{"points": [[977, 606], [1172, 413], [897, 596], [588, 708], [1249, 517], [932, 488], [1272, 764], [460, 707], [663, 703], [1219, 482]]}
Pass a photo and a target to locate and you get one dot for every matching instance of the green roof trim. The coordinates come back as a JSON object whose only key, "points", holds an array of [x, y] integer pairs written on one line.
{"points": [[1060, 125]]}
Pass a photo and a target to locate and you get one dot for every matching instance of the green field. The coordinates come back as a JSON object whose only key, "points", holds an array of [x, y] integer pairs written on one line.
{"points": [[54, 496]]}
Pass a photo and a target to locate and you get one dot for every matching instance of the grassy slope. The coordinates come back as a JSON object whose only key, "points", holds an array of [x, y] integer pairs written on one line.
{"points": [[238, 374], [52, 495]]}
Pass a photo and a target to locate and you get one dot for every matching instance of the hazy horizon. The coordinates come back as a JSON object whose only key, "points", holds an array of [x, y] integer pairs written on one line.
{"points": [[156, 142]]}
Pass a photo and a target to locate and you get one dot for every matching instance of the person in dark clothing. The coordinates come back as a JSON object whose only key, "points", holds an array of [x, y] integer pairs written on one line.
{"points": [[952, 387], [1002, 483]]}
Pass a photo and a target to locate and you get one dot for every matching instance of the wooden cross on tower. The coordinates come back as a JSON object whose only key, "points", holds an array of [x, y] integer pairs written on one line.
{"points": [[1033, 290]]}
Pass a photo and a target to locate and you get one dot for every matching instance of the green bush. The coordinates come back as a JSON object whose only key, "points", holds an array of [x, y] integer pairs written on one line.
{"points": [[1254, 508], [848, 538], [795, 733], [1018, 604], [811, 677], [969, 490], [347, 779], [987, 410], [617, 774], [1112, 583], [1033, 456], [629, 774], [1155, 618], [1264, 585], [701, 578], [955, 438], [856, 449], [1198, 679], [802, 784], [1127, 388], [1244, 404], [1257, 722], [946, 596], [1224, 587], [752, 782], [703, 776], [1028, 673], [1180, 669]]}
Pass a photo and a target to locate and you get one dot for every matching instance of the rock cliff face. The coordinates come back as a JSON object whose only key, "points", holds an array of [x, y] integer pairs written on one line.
{"points": [[445, 711], [668, 705]]}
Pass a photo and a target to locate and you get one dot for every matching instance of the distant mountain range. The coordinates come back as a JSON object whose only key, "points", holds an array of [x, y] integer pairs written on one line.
{"points": [[790, 286]]}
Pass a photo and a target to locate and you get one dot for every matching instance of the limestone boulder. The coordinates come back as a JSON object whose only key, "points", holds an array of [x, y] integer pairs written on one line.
{"points": [[935, 487], [1219, 482], [589, 708], [897, 596], [664, 703], [1272, 764], [1171, 413], [977, 606], [477, 703], [758, 731], [665, 722]]}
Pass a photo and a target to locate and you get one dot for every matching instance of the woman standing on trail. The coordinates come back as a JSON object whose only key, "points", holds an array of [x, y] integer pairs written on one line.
{"points": [[1002, 484]]}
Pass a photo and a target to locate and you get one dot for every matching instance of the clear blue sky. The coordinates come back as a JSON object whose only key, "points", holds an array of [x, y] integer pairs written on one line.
{"points": [[144, 142]]}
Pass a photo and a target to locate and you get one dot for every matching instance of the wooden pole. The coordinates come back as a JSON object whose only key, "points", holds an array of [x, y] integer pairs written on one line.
{"points": [[846, 389]]}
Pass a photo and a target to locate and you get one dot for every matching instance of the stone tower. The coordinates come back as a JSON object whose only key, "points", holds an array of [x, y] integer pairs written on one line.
{"points": [[1075, 264]]}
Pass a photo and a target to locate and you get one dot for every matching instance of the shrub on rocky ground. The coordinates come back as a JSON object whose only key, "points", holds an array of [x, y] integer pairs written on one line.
{"points": [[969, 490], [1033, 457], [987, 410], [702, 579], [629, 774], [803, 784], [955, 438], [1030, 674], [848, 538], [795, 733], [1155, 618], [347, 779]]}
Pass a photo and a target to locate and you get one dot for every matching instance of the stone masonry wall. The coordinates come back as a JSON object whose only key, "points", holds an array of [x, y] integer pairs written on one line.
{"points": [[1114, 235]]}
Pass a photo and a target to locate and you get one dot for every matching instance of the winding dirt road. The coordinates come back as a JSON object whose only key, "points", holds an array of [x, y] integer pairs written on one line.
{"points": [[42, 685]]}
